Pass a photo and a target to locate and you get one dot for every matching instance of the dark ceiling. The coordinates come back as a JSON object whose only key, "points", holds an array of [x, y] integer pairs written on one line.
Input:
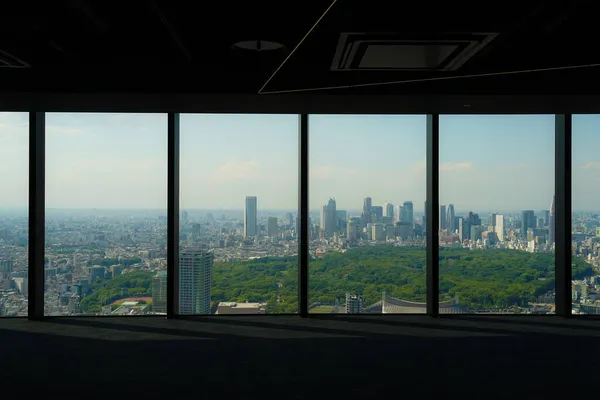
{"points": [[186, 47]]}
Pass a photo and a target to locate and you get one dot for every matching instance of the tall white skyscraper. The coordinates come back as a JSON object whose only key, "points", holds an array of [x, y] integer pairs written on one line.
{"points": [[195, 278], [499, 227], [250, 223]]}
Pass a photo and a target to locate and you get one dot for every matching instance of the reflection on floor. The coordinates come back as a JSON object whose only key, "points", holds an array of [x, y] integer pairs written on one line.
{"points": [[289, 357]]}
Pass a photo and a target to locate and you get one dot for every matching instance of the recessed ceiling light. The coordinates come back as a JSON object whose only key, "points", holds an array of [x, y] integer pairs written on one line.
{"points": [[258, 45]]}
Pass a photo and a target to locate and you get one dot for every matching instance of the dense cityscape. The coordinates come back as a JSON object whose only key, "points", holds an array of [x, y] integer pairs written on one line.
{"points": [[103, 262]]}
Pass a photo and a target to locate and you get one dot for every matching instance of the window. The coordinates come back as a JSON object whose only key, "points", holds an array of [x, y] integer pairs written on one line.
{"points": [[106, 218], [586, 214], [14, 167], [497, 213], [239, 214], [367, 199]]}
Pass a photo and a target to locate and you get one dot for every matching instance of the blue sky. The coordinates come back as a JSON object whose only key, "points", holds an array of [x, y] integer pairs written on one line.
{"points": [[488, 163]]}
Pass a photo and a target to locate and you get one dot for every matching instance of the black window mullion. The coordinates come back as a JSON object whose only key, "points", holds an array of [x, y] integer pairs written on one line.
{"points": [[562, 219], [432, 215], [37, 208], [303, 215], [173, 152]]}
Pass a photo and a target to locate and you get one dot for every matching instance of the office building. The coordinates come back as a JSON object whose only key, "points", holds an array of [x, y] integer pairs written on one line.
{"points": [[272, 228], [250, 217], [388, 210], [354, 304], [195, 278], [527, 222], [159, 292], [499, 227], [443, 221], [329, 219], [450, 222], [407, 210]]}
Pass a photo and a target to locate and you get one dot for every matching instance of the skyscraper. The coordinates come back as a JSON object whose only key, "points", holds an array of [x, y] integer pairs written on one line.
{"points": [[443, 220], [408, 212], [499, 227], [388, 210], [527, 221], [366, 213], [552, 221], [195, 279], [250, 224], [450, 222], [272, 228], [329, 218], [159, 292]]}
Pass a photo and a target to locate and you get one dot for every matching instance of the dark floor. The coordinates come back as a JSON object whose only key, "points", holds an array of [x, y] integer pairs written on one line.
{"points": [[289, 357]]}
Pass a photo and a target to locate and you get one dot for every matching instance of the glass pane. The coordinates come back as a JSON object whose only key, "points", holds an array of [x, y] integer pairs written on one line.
{"points": [[497, 213], [367, 199], [586, 215], [14, 178], [106, 216], [239, 206]]}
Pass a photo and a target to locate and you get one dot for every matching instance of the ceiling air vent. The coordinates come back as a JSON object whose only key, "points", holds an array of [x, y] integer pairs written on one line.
{"points": [[9, 61], [407, 52]]}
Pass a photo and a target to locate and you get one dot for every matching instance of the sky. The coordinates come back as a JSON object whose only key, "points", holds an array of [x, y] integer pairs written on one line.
{"points": [[487, 163]]}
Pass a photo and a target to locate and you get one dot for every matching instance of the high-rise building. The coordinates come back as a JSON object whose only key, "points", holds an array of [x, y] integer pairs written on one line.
{"points": [[195, 278], [159, 292], [341, 218], [388, 210], [272, 229], [492, 221], [377, 213], [250, 218], [499, 227], [408, 212], [546, 217], [443, 220], [289, 218], [329, 219], [450, 219], [366, 213], [354, 304], [527, 221], [351, 231], [552, 221]]}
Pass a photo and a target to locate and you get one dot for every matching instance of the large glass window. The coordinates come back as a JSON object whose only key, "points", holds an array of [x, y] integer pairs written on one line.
{"points": [[585, 285], [497, 213], [367, 199], [239, 214], [106, 217], [14, 167]]}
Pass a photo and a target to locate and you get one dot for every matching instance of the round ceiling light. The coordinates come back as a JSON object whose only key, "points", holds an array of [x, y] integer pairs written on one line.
{"points": [[258, 45]]}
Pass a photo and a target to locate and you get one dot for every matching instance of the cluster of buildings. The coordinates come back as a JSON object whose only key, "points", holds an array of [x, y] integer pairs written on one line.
{"points": [[82, 248]]}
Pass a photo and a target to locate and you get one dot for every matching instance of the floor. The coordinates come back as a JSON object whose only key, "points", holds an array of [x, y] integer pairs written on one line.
{"points": [[287, 357]]}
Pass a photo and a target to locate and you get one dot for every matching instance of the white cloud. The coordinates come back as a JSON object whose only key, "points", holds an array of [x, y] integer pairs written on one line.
{"points": [[235, 170], [456, 166], [61, 130], [590, 165]]}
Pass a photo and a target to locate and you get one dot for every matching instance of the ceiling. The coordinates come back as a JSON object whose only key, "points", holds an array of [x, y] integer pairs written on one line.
{"points": [[186, 47]]}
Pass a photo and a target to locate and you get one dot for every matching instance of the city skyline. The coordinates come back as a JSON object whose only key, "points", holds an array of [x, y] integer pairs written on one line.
{"points": [[118, 161]]}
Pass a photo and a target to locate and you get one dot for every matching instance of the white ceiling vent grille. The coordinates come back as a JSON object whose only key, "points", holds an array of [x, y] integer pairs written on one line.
{"points": [[406, 52]]}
